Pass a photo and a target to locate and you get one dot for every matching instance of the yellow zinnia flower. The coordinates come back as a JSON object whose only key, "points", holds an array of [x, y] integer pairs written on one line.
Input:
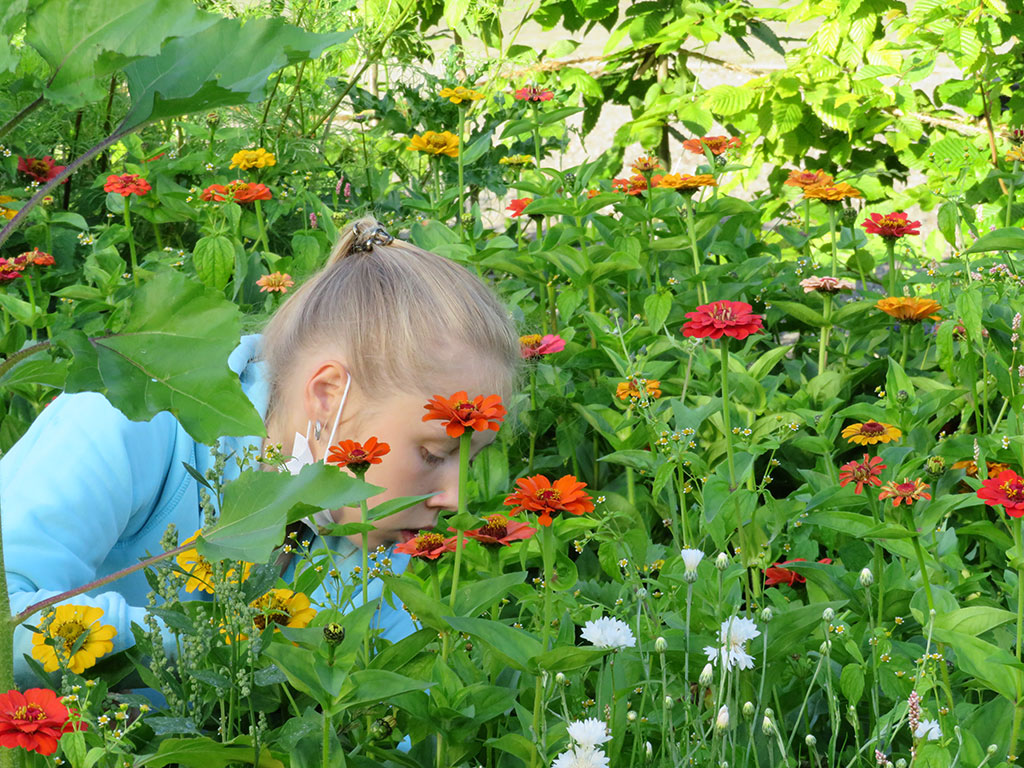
{"points": [[283, 607], [8, 213], [1015, 154], [684, 183], [831, 193], [459, 94], [628, 390], [68, 623], [909, 308], [252, 158], [516, 160], [434, 143], [200, 571], [871, 432]]}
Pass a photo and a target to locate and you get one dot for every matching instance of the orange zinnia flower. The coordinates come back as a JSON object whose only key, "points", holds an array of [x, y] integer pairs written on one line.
{"points": [[275, 282], [716, 144], [427, 545], [500, 531], [831, 192], [634, 185], [461, 413], [357, 456], [684, 183], [540, 495], [804, 179], [861, 473], [908, 491], [646, 163], [126, 184], [518, 205], [871, 432], [971, 469], [909, 308], [250, 192], [630, 390]]}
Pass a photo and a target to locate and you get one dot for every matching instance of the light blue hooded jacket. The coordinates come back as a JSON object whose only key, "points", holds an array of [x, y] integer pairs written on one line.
{"points": [[87, 492]]}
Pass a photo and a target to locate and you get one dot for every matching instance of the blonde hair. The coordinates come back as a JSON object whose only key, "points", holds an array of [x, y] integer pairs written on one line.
{"points": [[392, 307]]}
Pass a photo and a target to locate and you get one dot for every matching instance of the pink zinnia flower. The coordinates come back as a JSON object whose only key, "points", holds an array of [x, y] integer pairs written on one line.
{"points": [[535, 345], [826, 284]]}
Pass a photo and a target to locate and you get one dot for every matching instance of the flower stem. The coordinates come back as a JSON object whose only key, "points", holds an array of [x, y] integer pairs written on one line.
{"points": [[826, 330], [464, 449], [462, 191], [832, 233], [31, 300], [364, 518], [1009, 211], [890, 250], [262, 226], [1017, 534], [691, 227], [547, 548], [906, 347], [924, 568], [131, 242], [807, 228], [536, 134], [725, 414]]}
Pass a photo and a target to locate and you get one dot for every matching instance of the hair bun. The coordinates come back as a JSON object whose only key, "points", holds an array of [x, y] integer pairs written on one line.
{"points": [[368, 236]]}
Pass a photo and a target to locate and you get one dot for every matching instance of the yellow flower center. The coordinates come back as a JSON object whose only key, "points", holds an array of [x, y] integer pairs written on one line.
{"points": [[532, 340], [427, 541], [69, 632], [497, 526], [549, 495], [1014, 489], [274, 610], [31, 712]]}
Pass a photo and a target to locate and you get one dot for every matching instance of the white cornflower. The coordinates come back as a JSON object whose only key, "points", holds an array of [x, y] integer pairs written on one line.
{"points": [[722, 721], [607, 632], [588, 733], [691, 558], [734, 634], [581, 757], [928, 729]]}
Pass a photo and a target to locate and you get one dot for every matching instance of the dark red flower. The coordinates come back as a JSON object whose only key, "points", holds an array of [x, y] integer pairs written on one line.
{"points": [[126, 184], [40, 169], [500, 531], [34, 720], [518, 206], [461, 413], [357, 456], [1006, 488], [538, 494], [722, 318], [777, 574], [247, 192], [716, 144], [533, 93], [427, 545], [9, 270], [891, 225], [862, 473]]}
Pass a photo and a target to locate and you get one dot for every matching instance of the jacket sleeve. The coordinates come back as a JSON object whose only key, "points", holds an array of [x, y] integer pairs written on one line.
{"points": [[83, 477]]}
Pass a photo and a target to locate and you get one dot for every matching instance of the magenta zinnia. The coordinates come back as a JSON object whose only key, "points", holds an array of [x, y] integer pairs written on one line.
{"points": [[722, 318], [1006, 488], [891, 225]]}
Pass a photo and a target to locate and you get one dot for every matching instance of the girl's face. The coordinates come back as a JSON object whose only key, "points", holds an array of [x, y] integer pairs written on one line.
{"points": [[423, 460]]}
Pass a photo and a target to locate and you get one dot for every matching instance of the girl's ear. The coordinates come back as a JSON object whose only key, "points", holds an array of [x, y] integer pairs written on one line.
{"points": [[323, 393]]}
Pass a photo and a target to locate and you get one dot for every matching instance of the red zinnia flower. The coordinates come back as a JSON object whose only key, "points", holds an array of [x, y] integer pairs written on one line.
{"points": [[722, 318], [533, 93], [634, 185], [776, 574], [891, 225], [518, 206], [34, 720], [40, 169], [10, 270], [126, 184], [247, 192], [428, 545], [217, 193], [716, 144], [357, 456], [461, 414], [908, 491], [500, 531], [1006, 488], [862, 473], [540, 495]]}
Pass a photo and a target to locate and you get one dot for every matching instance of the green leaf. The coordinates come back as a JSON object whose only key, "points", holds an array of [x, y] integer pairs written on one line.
{"points": [[514, 646], [172, 356], [34, 371], [204, 752], [851, 683], [20, 310], [369, 686], [477, 149], [568, 658], [801, 312], [728, 99], [947, 219], [87, 41], [766, 362], [258, 505], [969, 307], [224, 64], [214, 259], [656, 309], [1008, 239]]}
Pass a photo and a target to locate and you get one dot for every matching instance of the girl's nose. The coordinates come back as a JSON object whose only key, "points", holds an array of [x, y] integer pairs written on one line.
{"points": [[447, 496]]}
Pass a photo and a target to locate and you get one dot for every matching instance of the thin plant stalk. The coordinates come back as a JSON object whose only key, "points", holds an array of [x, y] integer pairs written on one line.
{"points": [[364, 517], [725, 414], [31, 299], [462, 190], [131, 243], [547, 548], [464, 452], [691, 228], [260, 223], [826, 331], [890, 252], [1009, 213], [832, 235]]}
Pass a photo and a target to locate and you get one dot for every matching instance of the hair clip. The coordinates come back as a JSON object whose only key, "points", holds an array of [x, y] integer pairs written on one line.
{"points": [[376, 236]]}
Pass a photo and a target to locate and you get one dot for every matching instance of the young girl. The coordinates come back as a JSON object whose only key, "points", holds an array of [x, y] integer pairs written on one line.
{"points": [[355, 352]]}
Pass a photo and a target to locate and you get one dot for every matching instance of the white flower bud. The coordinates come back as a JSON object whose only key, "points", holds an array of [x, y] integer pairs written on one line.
{"points": [[828, 614], [810, 741], [707, 676], [825, 647], [722, 721], [660, 645], [766, 726], [722, 561], [767, 614], [649, 750], [669, 702], [867, 578], [560, 678], [901, 763], [748, 709], [631, 716]]}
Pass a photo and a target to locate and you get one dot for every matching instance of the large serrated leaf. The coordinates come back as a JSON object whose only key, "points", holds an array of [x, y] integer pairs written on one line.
{"points": [[86, 41], [172, 356], [214, 260], [728, 99]]}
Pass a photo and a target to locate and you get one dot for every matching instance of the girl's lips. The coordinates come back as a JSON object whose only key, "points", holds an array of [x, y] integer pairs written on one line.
{"points": [[406, 535]]}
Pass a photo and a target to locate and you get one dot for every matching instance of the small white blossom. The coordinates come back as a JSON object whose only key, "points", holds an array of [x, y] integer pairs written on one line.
{"points": [[928, 729], [722, 720], [691, 558], [607, 632], [734, 634], [588, 733], [581, 757]]}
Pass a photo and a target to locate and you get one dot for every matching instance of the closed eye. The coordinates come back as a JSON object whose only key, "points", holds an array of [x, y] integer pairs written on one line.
{"points": [[431, 458]]}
